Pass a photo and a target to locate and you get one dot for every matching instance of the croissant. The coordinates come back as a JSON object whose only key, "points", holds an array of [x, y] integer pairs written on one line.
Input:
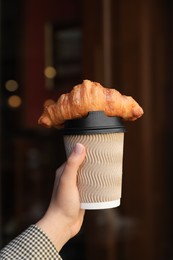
{"points": [[89, 96]]}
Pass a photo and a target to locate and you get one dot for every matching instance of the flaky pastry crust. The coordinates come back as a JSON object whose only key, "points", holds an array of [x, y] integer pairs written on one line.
{"points": [[86, 97]]}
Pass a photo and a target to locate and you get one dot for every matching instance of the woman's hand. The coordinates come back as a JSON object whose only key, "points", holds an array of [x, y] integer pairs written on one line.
{"points": [[64, 217]]}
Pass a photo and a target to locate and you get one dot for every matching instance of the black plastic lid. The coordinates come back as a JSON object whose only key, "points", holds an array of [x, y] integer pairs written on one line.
{"points": [[95, 122]]}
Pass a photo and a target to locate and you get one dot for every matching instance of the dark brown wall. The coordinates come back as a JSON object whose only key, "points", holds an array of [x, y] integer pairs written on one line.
{"points": [[141, 62], [37, 14]]}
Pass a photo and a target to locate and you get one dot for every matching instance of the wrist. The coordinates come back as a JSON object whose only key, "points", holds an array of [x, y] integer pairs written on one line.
{"points": [[57, 231]]}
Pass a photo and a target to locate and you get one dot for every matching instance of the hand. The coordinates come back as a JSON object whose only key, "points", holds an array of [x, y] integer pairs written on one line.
{"points": [[64, 217]]}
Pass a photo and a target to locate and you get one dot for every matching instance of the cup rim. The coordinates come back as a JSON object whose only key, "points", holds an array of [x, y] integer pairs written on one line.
{"points": [[94, 122]]}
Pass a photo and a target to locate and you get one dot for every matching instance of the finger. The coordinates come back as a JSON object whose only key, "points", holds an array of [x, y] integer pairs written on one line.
{"points": [[58, 175], [59, 171], [74, 161]]}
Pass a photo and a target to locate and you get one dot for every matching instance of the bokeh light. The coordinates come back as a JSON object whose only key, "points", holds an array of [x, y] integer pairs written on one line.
{"points": [[11, 85], [14, 101], [50, 72]]}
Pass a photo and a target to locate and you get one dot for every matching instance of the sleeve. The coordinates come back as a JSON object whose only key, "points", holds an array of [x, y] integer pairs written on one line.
{"points": [[33, 243]]}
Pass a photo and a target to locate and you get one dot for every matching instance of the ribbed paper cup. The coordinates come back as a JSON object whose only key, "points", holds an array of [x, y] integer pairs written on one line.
{"points": [[100, 175]]}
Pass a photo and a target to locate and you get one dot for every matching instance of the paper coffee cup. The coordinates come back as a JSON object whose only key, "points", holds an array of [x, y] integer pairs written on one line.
{"points": [[100, 176]]}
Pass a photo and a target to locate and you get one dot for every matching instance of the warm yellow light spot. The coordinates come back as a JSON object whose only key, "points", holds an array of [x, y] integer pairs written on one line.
{"points": [[14, 101], [11, 85], [50, 72]]}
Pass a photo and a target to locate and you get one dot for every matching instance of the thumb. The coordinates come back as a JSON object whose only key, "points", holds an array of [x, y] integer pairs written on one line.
{"points": [[74, 161]]}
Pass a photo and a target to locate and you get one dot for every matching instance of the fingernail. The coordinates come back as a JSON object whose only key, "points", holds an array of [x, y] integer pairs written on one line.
{"points": [[78, 148]]}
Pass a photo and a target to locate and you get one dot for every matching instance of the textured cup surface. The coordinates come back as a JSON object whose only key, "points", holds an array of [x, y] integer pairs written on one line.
{"points": [[100, 175]]}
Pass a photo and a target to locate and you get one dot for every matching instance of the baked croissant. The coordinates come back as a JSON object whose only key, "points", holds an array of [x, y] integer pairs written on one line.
{"points": [[89, 96]]}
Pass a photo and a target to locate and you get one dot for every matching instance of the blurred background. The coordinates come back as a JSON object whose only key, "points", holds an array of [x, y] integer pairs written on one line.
{"points": [[47, 47]]}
